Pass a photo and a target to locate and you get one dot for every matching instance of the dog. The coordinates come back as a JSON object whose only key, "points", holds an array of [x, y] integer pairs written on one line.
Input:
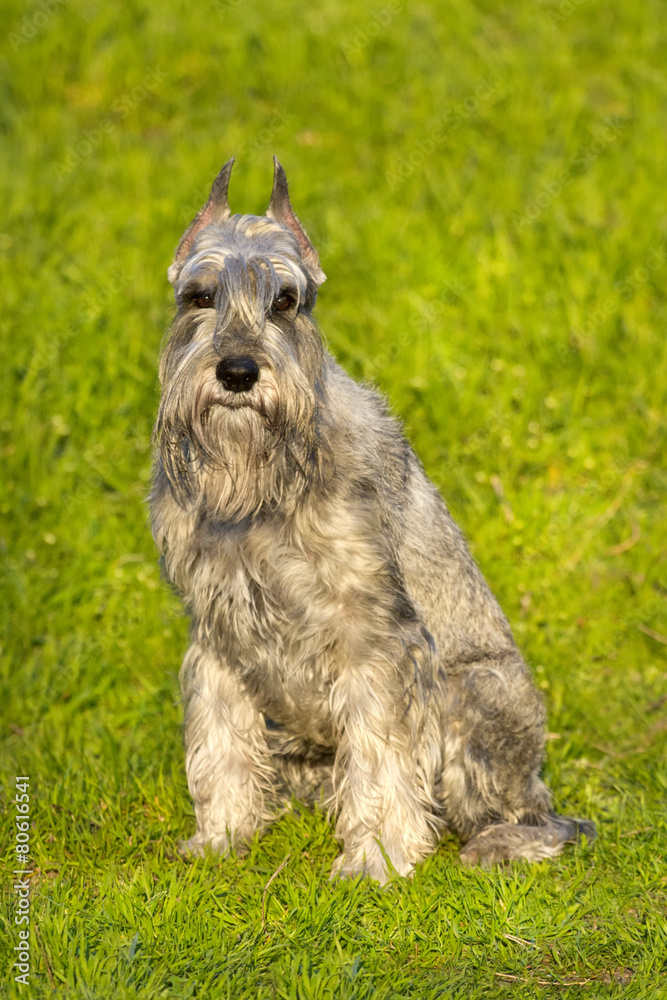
{"points": [[344, 644]]}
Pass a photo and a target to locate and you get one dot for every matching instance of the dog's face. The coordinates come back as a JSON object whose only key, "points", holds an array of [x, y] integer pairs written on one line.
{"points": [[237, 413]]}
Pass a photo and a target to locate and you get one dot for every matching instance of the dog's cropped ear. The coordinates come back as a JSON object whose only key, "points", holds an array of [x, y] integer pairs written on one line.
{"points": [[281, 211], [215, 210]]}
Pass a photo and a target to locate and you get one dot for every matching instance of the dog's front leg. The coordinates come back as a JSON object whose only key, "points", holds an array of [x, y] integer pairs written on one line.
{"points": [[226, 757], [379, 776]]}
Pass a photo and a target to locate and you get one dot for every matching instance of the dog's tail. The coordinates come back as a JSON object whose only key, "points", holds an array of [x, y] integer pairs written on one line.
{"points": [[519, 842]]}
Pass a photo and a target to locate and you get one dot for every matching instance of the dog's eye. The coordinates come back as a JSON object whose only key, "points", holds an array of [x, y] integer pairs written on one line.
{"points": [[283, 302], [203, 301]]}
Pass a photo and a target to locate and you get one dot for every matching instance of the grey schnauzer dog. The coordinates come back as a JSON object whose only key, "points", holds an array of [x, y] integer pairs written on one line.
{"points": [[344, 642]]}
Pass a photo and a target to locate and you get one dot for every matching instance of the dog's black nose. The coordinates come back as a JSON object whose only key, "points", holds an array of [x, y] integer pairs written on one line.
{"points": [[237, 374]]}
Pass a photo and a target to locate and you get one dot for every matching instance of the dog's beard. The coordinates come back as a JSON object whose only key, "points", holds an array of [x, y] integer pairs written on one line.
{"points": [[250, 463], [230, 455]]}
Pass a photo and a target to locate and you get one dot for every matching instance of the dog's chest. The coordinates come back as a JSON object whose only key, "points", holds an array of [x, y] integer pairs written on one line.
{"points": [[281, 611]]}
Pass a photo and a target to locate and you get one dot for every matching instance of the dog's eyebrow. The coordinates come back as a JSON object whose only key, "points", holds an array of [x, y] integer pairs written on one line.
{"points": [[197, 286]]}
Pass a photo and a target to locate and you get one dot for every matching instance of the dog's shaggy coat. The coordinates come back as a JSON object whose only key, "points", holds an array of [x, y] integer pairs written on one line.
{"points": [[344, 643]]}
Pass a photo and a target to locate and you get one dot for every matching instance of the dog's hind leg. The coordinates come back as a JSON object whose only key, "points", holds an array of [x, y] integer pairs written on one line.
{"points": [[517, 841], [494, 738]]}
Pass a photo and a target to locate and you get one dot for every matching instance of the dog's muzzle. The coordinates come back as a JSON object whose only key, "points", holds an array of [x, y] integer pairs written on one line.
{"points": [[237, 374]]}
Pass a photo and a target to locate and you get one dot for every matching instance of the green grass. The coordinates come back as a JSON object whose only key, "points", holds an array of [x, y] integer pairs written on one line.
{"points": [[486, 185]]}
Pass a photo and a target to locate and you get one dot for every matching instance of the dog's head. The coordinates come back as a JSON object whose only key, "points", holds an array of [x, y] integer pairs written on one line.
{"points": [[241, 367]]}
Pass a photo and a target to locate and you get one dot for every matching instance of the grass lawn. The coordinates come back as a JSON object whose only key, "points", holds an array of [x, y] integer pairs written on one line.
{"points": [[486, 185]]}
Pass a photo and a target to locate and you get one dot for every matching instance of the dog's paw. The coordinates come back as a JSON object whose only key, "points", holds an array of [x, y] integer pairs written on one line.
{"points": [[342, 869], [372, 864], [201, 844], [508, 842], [518, 842]]}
